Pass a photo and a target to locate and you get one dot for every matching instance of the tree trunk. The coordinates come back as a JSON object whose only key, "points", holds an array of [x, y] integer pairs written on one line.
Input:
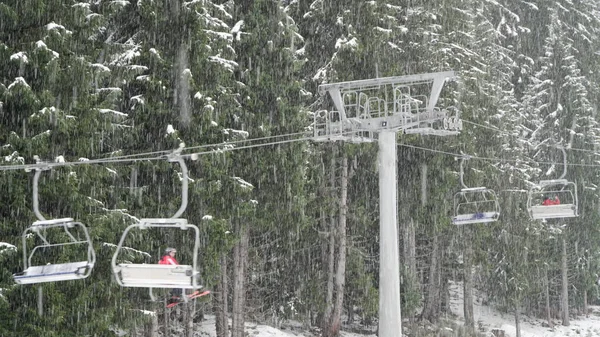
{"points": [[468, 281], [166, 315], [410, 249], [152, 328], [585, 303], [565, 284], [517, 320], [188, 319], [433, 286], [220, 300], [547, 296], [240, 256], [335, 322], [410, 262]]}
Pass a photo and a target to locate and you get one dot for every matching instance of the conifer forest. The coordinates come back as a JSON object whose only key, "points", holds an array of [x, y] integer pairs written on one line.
{"points": [[102, 100]]}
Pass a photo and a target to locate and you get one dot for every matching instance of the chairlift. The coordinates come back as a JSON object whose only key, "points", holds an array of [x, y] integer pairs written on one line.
{"points": [[474, 205], [156, 275], [53, 272], [561, 194]]}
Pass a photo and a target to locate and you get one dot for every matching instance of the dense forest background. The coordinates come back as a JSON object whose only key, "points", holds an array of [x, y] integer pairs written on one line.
{"points": [[290, 226]]}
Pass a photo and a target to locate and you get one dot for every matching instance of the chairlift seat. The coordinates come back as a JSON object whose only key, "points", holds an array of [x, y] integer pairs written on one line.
{"points": [[544, 183], [54, 272], [52, 222], [484, 217], [157, 276], [475, 189], [553, 211]]}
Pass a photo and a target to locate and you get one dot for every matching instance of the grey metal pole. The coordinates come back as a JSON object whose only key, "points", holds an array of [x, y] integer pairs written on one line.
{"points": [[390, 319]]}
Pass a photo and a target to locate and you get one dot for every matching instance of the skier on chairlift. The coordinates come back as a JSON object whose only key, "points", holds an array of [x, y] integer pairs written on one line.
{"points": [[169, 259]]}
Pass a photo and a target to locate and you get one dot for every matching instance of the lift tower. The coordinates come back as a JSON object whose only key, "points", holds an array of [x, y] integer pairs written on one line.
{"points": [[375, 109]]}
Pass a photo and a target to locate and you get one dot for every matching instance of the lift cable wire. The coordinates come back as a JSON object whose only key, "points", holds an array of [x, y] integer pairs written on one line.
{"points": [[218, 148]]}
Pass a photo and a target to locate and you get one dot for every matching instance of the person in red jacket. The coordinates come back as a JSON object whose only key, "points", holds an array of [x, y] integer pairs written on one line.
{"points": [[548, 202], [169, 259]]}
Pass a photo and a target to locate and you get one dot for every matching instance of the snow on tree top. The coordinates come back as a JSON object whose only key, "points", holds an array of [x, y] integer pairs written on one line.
{"points": [[237, 29], [100, 67], [155, 52], [20, 56], [221, 9], [117, 113], [18, 81], [41, 45], [221, 35], [170, 129], [207, 217], [82, 5], [243, 183], [52, 26], [126, 57], [137, 99], [211, 21], [321, 74], [227, 64], [121, 3], [189, 3], [137, 67], [243, 134], [14, 158], [186, 73], [46, 110], [383, 30], [110, 89], [7, 246], [345, 43]]}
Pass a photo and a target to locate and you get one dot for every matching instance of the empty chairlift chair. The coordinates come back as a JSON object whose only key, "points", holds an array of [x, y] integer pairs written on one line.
{"points": [[53, 272], [474, 205], [53, 241]]}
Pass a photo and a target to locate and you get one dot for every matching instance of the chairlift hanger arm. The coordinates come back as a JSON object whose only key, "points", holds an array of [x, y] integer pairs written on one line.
{"points": [[176, 157]]}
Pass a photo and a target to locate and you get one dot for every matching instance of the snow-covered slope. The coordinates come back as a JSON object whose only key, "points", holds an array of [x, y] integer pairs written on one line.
{"points": [[489, 319]]}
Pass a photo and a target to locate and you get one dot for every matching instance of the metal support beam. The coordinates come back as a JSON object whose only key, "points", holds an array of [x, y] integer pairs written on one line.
{"points": [[390, 319]]}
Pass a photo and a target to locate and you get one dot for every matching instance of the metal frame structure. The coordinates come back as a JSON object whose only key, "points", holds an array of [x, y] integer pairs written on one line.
{"points": [[474, 205], [366, 107], [378, 108], [58, 271], [158, 275], [568, 208]]}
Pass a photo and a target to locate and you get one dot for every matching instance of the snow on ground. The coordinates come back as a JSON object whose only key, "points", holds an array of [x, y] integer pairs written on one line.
{"points": [[207, 329], [486, 317], [490, 319]]}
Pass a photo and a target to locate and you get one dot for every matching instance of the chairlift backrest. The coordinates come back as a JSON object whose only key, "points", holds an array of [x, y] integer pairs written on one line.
{"points": [[566, 205], [473, 205], [53, 272], [157, 275]]}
